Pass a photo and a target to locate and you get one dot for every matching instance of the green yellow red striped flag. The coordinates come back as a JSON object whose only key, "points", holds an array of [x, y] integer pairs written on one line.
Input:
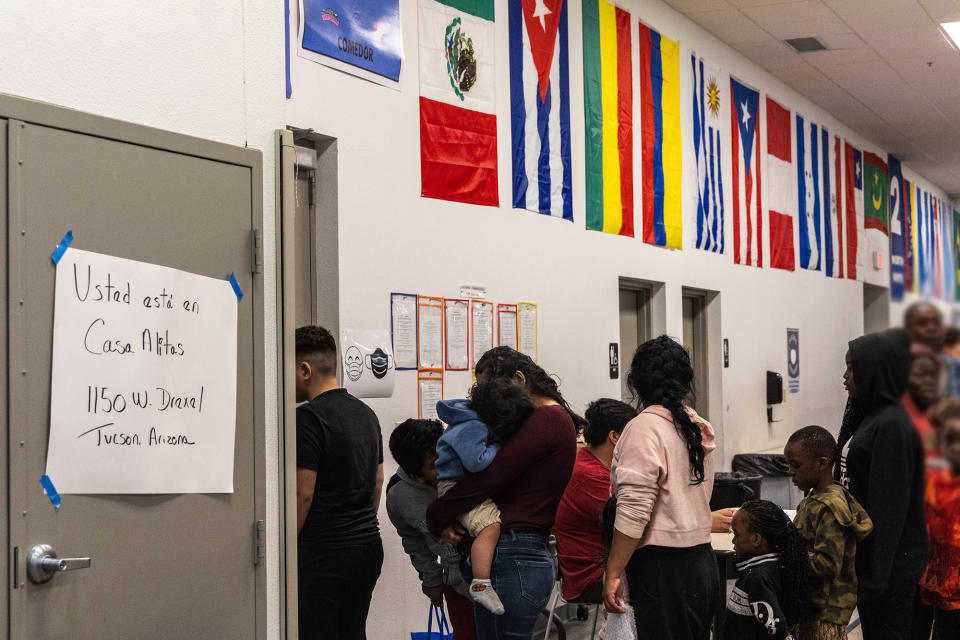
{"points": [[608, 107]]}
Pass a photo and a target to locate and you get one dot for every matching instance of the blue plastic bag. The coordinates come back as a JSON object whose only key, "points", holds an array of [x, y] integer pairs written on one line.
{"points": [[443, 629]]}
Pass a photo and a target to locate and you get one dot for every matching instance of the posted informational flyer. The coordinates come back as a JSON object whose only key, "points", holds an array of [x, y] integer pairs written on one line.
{"points": [[429, 393], [481, 329], [429, 332], [507, 325], [403, 327], [527, 328], [456, 331], [143, 390]]}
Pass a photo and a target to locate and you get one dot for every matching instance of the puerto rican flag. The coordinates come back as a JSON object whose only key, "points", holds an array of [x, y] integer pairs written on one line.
{"points": [[540, 107], [747, 216]]}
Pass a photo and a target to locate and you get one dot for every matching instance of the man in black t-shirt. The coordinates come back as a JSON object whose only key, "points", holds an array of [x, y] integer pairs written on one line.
{"points": [[339, 478]]}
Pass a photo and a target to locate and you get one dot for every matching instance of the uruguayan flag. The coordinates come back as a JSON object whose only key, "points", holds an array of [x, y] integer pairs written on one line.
{"points": [[706, 146]]}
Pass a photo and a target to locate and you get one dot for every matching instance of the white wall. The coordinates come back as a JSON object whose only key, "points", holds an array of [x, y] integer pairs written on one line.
{"points": [[212, 69], [393, 240], [215, 69]]}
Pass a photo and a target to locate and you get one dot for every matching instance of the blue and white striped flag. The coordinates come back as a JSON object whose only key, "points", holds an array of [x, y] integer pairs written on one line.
{"points": [[809, 193], [540, 106], [706, 147]]}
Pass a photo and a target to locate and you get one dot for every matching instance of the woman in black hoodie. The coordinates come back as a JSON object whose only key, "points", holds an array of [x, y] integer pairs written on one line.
{"points": [[881, 463]]}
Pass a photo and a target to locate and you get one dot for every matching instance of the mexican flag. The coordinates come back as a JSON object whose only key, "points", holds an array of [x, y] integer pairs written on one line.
{"points": [[458, 122]]}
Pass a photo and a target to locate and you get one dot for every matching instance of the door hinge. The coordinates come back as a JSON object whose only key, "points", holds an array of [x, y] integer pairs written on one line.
{"points": [[259, 542], [313, 189], [256, 251]]}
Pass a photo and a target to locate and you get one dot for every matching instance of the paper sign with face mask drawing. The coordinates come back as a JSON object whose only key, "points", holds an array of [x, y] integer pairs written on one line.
{"points": [[367, 358]]}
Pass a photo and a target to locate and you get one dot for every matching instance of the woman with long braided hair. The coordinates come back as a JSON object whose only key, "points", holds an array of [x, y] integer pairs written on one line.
{"points": [[662, 472], [772, 561]]}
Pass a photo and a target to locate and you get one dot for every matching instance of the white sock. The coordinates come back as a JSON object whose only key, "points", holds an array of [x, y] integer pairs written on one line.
{"points": [[482, 591]]}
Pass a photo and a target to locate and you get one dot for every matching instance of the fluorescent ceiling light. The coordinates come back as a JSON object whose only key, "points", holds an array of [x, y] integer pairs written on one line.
{"points": [[952, 29]]}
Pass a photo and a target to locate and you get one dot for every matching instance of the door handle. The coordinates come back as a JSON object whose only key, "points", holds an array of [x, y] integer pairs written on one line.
{"points": [[43, 563]]}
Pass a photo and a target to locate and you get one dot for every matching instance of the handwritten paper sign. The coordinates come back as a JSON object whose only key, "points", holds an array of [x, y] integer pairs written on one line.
{"points": [[143, 394]]}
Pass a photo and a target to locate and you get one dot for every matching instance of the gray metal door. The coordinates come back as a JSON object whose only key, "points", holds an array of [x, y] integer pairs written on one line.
{"points": [[163, 566]]}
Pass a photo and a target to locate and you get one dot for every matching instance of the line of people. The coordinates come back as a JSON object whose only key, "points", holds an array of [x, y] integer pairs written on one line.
{"points": [[506, 473]]}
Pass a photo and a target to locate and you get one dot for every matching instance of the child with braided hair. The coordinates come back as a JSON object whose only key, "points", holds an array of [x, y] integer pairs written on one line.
{"points": [[767, 599]]}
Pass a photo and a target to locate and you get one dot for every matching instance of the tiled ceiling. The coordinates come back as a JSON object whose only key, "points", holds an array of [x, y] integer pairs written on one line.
{"points": [[888, 72]]}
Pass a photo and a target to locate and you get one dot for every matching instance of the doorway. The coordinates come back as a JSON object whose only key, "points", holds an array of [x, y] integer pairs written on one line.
{"points": [[643, 315], [308, 257], [634, 330], [696, 342], [157, 197], [876, 308]]}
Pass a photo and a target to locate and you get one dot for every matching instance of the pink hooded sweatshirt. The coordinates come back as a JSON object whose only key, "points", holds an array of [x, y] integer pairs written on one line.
{"points": [[657, 501]]}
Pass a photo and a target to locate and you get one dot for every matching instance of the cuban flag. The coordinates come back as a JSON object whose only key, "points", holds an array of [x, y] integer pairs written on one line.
{"points": [[832, 221], [747, 217], [540, 107], [707, 151], [809, 193]]}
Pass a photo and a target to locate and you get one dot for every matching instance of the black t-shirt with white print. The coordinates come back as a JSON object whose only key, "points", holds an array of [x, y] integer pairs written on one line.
{"points": [[753, 609]]}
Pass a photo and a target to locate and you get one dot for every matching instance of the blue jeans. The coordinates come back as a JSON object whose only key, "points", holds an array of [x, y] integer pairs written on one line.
{"points": [[523, 575]]}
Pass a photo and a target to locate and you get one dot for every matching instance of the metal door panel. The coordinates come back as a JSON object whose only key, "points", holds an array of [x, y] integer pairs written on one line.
{"points": [[170, 566], [5, 558]]}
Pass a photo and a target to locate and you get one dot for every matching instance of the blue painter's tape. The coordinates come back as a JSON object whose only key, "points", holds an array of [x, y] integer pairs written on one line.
{"points": [[62, 247], [236, 287], [50, 491]]}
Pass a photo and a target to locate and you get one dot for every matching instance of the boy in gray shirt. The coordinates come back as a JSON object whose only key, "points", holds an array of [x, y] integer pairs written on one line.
{"points": [[413, 445]]}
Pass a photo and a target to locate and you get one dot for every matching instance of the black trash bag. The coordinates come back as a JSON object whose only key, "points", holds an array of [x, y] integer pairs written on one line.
{"points": [[733, 489], [768, 465]]}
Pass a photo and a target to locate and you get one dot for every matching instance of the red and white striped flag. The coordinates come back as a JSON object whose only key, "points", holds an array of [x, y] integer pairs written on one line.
{"points": [[782, 176]]}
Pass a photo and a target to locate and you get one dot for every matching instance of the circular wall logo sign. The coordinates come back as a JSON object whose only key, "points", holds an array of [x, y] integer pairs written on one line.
{"points": [[793, 355]]}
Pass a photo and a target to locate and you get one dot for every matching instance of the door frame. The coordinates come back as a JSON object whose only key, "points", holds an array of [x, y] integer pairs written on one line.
{"points": [[21, 111]]}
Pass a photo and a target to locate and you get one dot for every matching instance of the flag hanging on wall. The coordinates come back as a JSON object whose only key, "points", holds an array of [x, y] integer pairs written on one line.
{"points": [[920, 240], [608, 116], [707, 151], [747, 208], [458, 121], [660, 138], [956, 254], [832, 224], [853, 227], [780, 186], [897, 228], [875, 191], [809, 192], [937, 253], [949, 259], [540, 107], [926, 243], [910, 236]]}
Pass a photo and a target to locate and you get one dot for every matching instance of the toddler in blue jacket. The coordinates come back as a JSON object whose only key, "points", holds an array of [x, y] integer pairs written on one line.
{"points": [[464, 448]]}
